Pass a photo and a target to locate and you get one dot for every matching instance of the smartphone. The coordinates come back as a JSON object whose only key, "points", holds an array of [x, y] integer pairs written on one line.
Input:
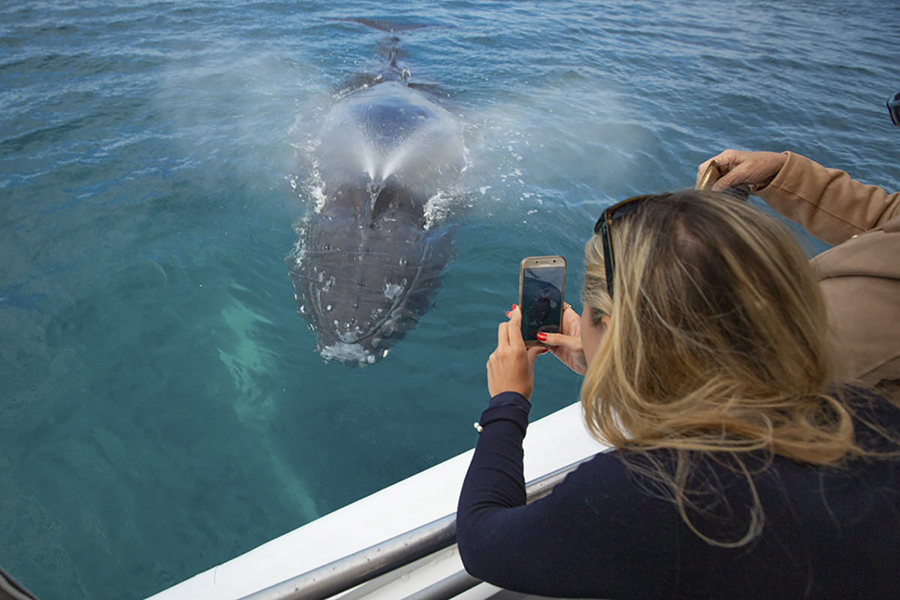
{"points": [[711, 176], [542, 283]]}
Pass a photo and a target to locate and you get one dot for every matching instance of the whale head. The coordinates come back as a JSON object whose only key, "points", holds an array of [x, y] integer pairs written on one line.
{"points": [[366, 269]]}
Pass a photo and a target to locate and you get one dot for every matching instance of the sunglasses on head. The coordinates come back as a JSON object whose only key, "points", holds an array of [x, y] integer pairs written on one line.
{"points": [[601, 228], [623, 209]]}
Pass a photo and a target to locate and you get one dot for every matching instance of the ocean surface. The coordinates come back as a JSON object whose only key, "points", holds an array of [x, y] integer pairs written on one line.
{"points": [[162, 408]]}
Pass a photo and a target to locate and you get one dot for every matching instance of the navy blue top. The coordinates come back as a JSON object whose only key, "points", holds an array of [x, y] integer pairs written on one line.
{"points": [[607, 531]]}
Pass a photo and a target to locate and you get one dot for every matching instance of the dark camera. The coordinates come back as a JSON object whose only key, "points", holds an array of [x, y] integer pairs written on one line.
{"points": [[894, 108]]}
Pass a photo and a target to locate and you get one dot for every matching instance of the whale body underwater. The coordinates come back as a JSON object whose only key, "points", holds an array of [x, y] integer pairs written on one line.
{"points": [[368, 261]]}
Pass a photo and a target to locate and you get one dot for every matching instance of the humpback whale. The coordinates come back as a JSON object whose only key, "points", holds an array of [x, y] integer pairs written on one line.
{"points": [[368, 261]]}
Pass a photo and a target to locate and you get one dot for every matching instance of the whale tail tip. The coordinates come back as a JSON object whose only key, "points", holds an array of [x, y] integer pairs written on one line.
{"points": [[391, 27]]}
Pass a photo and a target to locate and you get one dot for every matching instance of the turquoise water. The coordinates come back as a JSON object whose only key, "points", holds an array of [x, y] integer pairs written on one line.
{"points": [[161, 406]]}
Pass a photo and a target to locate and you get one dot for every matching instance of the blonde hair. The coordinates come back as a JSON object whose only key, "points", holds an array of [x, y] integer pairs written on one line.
{"points": [[718, 343]]}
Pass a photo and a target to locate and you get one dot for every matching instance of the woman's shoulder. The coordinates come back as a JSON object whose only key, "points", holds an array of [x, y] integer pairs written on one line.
{"points": [[876, 429], [876, 421]]}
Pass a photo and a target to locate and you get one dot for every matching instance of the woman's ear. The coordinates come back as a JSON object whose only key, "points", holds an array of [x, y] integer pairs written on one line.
{"points": [[606, 320]]}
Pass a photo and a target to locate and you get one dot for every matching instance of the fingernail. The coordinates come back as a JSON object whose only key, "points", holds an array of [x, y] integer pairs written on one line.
{"points": [[544, 351], [507, 313], [542, 337], [514, 307]]}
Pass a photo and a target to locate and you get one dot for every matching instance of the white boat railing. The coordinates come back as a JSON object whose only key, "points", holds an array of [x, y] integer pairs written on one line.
{"points": [[355, 569], [10, 589]]}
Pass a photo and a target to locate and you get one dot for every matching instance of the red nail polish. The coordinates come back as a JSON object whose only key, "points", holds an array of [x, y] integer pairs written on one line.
{"points": [[542, 337], [514, 307], [544, 351], [507, 313]]}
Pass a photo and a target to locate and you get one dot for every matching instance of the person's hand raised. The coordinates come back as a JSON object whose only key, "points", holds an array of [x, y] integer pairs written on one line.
{"points": [[756, 169], [566, 346], [510, 368]]}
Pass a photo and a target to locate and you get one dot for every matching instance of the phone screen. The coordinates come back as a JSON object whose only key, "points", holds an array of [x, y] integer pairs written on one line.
{"points": [[542, 299]]}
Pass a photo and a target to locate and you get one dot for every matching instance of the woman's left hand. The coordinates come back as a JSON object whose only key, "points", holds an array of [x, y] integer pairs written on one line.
{"points": [[510, 368]]}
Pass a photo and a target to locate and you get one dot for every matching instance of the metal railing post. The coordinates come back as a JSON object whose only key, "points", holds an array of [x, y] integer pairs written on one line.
{"points": [[352, 570]]}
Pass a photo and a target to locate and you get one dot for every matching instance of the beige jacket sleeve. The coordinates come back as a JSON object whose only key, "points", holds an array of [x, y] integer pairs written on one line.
{"points": [[827, 202]]}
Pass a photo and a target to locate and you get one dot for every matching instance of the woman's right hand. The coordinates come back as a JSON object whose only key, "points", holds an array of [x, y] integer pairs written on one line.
{"points": [[566, 346], [756, 169]]}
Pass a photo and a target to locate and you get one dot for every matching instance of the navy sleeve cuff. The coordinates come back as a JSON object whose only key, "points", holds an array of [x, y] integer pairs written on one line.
{"points": [[507, 406], [510, 399]]}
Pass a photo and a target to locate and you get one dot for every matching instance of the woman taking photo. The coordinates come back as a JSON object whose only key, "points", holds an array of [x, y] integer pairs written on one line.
{"points": [[739, 467]]}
